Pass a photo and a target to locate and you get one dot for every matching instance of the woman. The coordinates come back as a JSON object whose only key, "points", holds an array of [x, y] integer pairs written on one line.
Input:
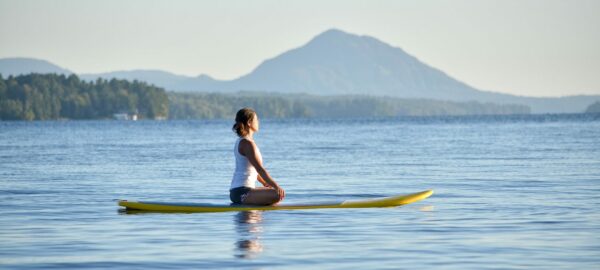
{"points": [[249, 167]]}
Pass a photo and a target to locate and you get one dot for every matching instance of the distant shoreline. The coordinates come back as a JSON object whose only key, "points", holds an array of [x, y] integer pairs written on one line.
{"points": [[60, 97], [546, 117]]}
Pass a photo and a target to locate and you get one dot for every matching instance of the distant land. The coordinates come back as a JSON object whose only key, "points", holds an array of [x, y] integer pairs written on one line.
{"points": [[56, 97], [332, 63], [276, 105], [594, 108], [22, 66]]}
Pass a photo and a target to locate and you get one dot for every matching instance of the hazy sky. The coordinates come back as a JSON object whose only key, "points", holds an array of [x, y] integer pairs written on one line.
{"points": [[536, 48]]}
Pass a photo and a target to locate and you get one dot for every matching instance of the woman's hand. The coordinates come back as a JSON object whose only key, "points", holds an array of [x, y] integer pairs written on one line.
{"points": [[281, 193]]}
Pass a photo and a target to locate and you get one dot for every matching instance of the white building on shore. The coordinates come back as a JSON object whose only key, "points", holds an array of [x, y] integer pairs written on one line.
{"points": [[125, 116]]}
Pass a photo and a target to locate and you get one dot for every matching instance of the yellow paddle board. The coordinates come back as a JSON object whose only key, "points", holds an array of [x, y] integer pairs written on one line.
{"points": [[206, 207]]}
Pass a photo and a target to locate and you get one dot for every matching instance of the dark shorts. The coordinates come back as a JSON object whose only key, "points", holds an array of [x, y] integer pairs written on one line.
{"points": [[238, 194]]}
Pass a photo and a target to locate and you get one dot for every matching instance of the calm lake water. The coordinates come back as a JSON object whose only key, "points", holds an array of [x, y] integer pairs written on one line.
{"points": [[512, 192]]}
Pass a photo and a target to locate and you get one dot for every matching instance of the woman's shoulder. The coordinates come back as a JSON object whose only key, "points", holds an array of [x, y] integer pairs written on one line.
{"points": [[246, 141], [247, 146]]}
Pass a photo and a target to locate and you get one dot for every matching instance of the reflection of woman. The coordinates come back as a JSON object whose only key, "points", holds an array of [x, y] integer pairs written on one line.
{"points": [[249, 229], [249, 167]]}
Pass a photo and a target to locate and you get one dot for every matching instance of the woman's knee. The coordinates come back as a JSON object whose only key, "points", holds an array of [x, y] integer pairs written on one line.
{"points": [[272, 197], [275, 196], [262, 197]]}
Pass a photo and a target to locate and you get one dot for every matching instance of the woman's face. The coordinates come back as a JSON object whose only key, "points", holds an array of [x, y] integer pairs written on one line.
{"points": [[254, 123]]}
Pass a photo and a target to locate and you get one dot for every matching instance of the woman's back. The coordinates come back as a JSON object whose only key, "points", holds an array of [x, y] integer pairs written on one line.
{"points": [[245, 175]]}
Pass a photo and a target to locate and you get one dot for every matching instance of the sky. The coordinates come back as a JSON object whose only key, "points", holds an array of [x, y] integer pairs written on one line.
{"points": [[522, 47]]}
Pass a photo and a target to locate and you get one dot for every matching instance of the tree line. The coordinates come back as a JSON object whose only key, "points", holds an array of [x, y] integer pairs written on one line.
{"points": [[222, 106], [212, 105], [52, 96]]}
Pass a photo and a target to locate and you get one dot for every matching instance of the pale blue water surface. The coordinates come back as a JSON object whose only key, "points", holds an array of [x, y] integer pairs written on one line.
{"points": [[512, 192]]}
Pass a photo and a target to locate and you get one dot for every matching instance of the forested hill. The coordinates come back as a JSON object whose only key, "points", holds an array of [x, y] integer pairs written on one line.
{"points": [[213, 105], [51, 96]]}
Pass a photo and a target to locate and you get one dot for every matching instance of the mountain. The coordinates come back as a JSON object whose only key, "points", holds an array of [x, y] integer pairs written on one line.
{"points": [[339, 63], [336, 62], [167, 80], [17, 66], [160, 78], [594, 108]]}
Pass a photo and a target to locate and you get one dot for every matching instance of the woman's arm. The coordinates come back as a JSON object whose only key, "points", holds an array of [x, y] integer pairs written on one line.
{"points": [[248, 149], [262, 181]]}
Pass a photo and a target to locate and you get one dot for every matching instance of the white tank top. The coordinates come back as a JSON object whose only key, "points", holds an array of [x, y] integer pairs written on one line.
{"points": [[245, 174]]}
